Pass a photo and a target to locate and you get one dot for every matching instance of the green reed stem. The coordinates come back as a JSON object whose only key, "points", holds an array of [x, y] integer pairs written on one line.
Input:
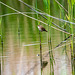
{"points": [[2, 61], [70, 14], [40, 51], [40, 42], [18, 29], [49, 39]]}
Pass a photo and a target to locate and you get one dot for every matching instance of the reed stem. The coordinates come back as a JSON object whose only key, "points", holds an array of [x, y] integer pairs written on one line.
{"points": [[40, 51]]}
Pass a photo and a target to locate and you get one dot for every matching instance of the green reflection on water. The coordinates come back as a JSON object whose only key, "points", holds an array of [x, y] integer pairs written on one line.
{"points": [[20, 33]]}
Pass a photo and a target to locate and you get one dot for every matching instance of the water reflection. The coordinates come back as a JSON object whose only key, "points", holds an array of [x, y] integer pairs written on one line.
{"points": [[20, 42], [22, 59]]}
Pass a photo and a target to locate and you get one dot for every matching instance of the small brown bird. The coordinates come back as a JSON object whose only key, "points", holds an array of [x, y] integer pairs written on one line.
{"points": [[41, 28]]}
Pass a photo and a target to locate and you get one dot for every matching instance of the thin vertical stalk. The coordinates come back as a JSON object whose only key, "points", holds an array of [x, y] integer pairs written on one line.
{"points": [[37, 13], [21, 55], [47, 3], [40, 42], [50, 43], [40, 51], [51, 55], [70, 10], [19, 32], [36, 7], [2, 61]]}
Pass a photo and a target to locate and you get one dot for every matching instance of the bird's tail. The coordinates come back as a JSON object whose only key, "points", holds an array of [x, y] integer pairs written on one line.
{"points": [[46, 30]]}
